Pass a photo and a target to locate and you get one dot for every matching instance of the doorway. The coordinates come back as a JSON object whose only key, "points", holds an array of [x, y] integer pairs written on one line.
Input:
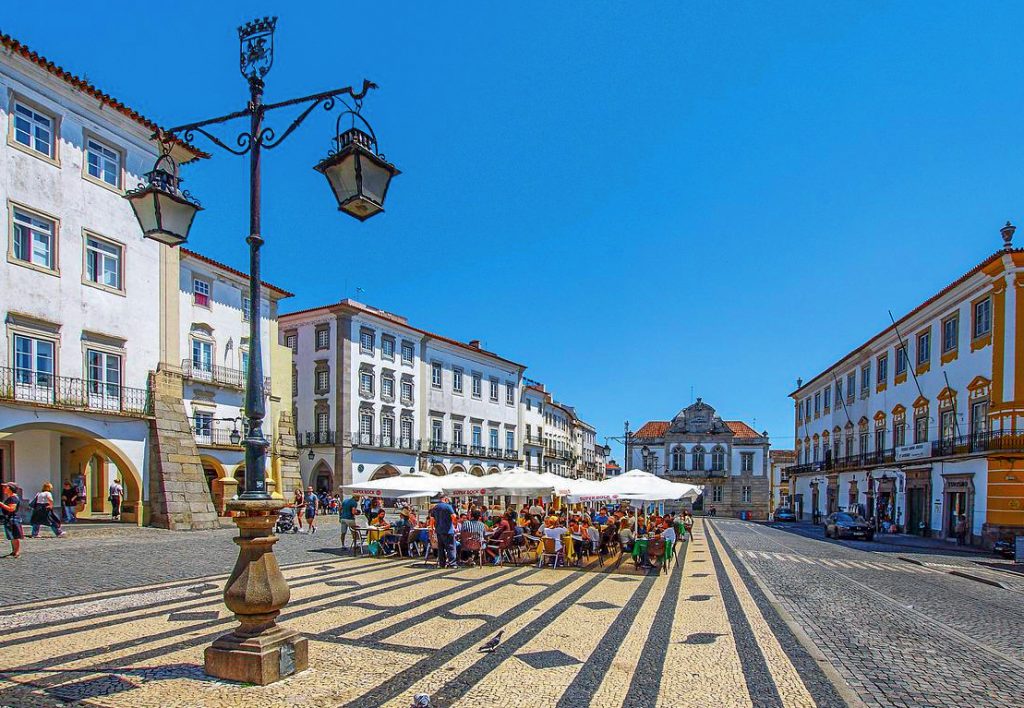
{"points": [[917, 511], [956, 504]]}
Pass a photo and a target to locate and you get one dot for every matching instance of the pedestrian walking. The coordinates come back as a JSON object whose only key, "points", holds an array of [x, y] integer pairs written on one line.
{"points": [[312, 502], [69, 503], [116, 497], [444, 525], [960, 530], [10, 519], [42, 511], [299, 503]]}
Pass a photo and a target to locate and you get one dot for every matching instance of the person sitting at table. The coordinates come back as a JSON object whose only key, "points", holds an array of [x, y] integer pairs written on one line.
{"points": [[555, 529], [593, 537], [669, 534], [533, 525], [474, 527], [387, 538], [626, 538], [500, 538], [404, 528]]}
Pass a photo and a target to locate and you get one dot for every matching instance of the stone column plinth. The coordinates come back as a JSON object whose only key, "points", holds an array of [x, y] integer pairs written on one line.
{"points": [[258, 651]]}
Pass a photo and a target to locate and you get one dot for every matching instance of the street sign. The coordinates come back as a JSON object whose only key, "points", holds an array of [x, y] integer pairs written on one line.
{"points": [[913, 452]]}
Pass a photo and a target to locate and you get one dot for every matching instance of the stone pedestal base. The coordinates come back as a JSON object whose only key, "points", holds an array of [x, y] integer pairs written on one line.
{"points": [[269, 657], [258, 651]]}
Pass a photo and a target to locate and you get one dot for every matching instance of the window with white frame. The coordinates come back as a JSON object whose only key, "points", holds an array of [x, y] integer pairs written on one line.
{"points": [[407, 352], [982, 317], [746, 462], [34, 239], [202, 355], [323, 337], [678, 459], [817, 404], [387, 429], [366, 383], [456, 380], [979, 418], [33, 361], [494, 389], [924, 347], [201, 292], [437, 430], [745, 494], [456, 433], [435, 374], [202, 425], [323, 421], [295, 383], [899, 434], [478, 383], [921, 429], [716, 493], [901, 360], [34, 129], [366, 338], [950, 333], [510, 393], [246, 307], [292, 342], [827, 397], [510, 440], [365, 427], [322, 380], [883, 369], [407, 391], [387, 347], [717, 459], [406, 432], [103, 262], [698, 458], [478, 436], [244, 353], [387, 387], [103, 162], [851, 386], [494, 438]]}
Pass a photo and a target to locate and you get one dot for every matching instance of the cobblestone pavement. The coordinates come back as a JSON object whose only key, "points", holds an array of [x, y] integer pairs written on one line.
{"points": [[899, 633], [702, 634]]}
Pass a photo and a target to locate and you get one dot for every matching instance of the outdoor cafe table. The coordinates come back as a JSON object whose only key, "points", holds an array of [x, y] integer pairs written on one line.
{"points": [[640, 550]]}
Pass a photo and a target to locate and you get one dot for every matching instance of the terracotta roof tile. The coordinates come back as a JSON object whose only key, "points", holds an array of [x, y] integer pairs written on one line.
{"points": [[741, 429], [233, 271], [652, 429], [84, 86]]}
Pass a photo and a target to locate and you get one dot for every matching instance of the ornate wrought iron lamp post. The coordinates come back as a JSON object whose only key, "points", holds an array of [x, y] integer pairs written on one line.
{"points": [[260, 651]]}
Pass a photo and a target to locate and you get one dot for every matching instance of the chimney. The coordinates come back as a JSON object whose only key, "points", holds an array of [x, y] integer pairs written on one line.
{"points": [[475, 343]]}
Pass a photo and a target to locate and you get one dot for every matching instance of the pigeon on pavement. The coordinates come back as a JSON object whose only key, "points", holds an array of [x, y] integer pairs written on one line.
{"points": [[493, 643]]}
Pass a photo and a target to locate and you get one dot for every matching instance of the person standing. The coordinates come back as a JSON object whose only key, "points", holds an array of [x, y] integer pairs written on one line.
{"points": [[116, 497], [347, 517], [298, 502], [9, 503], [960, 530], [42, 511], [69, 502], [444, 526], [312, 502]]}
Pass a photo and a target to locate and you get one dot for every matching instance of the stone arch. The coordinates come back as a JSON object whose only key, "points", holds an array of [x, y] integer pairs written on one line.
{"points": [[93, 447], [438, 470], [493, 470], [239, 476], [321, 477], [384, 471], [476, 470]]}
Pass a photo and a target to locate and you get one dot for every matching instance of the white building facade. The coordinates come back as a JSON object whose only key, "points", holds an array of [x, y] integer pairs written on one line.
{"points": [[920, 425]]}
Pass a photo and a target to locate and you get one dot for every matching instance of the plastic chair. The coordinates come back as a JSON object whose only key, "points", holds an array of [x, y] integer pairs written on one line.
{"points": [[551, 551], [358, 539], [656, 553], [471, 544]]}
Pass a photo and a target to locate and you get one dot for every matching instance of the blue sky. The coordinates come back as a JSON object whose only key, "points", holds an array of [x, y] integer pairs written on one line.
{"points": [[633, 199]]}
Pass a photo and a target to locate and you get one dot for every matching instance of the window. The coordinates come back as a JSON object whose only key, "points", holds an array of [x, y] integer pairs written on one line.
{"points": [[947, 425], [924, 347], [494, 389], [387, 430], [827, 395], [883, 369], [102, 262], [387, 347], [457, 380], [899, 434], [839, 391], [435, 375], [365, 383], [202, 355], [322, 422], [246, 303], [456, 433], [200, 292], [477, 385], [807, 408], [245, 363], [407, 391], [716, 493], [103, 163], [510, 440], [34, 239], [950, 333], [979, 418], [295, 383], [863, 442], [323, 338], [203, 425], [817, 404], [879, 439], [436, 430], [478, 434], [717, 459], [901, 360], [851, 383], [366, 343], [407, 352], [493, 438], [365, 427], [865, 379], [982, 317], [921, 429], [745, 494], [836, 447], [322, 380], [406, 432], [292, 342], [698, 458], [678, 459], [510, 393], [387, 387], [746, 462], [34, 130], [33, 361]]}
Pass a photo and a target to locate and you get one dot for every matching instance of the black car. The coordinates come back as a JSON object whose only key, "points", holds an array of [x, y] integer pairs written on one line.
{"points": [[1005, 548], [784, 513], [843, 524]]}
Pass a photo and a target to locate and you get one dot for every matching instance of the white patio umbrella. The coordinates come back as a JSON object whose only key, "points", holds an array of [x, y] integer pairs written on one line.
{"points": [[644, 486], [520, 482], [587, 490], [416, 484], [465, 484]]}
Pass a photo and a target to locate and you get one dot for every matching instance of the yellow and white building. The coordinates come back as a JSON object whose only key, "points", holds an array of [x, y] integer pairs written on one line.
{"points": [[924, 422]]}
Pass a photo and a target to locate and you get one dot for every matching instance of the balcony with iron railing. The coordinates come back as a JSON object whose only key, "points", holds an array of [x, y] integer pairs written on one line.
{"points": [[385, 442], [39, 388], [218, 375], [217, 435], [311, 438], [964, 445], [691, 473], [533, 440]]}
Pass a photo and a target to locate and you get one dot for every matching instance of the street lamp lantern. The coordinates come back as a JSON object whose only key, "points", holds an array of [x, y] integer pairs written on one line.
{"points": [[359, 176], [235, 437], [311, 455], [607, 450], [164, 211]]}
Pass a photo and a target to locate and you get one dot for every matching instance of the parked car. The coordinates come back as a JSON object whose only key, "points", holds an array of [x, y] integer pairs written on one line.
{"points": [[1005, 548], [784, 513], [843, 524]]}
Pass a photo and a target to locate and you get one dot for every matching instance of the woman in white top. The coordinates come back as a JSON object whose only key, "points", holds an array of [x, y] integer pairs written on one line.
{"points": [[42, 511], [556, 532]]}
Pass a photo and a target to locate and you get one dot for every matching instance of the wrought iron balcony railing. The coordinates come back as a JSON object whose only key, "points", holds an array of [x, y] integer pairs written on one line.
{"points": [[458, 449], [511, 454], [45, 389], [315, 437], [216, 436], [437, 446], [218, 375], [386, 442]]}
